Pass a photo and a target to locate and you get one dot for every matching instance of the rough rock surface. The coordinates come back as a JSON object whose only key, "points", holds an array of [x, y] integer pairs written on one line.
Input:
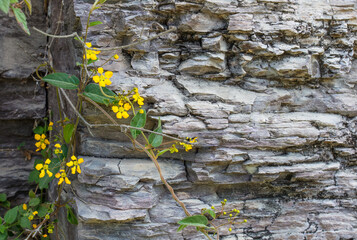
{"points": [[23, 100], [268, 86]]}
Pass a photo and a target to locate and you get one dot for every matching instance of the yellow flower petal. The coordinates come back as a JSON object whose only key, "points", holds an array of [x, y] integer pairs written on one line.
{"points": [[108, 74], [102, 84], [93, 57], [119, 115], [115, 109], [60, 181], [57, 145], [47, 142], [43, 146], [73, 170], [88, 44], [125, 115], [116, 56], [100, 70], [42, 174], [107, 81], [48, 161], [127, 106], [69, 164], [78, 169], [73, 157], [43, 136], [80, 160], [39, 166], [96, 79], [58, 175], [37, 137], [67, 180], [49, 173], [24, 206], [38, 144]]}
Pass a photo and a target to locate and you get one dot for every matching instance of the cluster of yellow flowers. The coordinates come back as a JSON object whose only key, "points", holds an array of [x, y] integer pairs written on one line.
{"points": [[121, 109], [137, 98], [186, 146], [42, 142], [103, 80], [74, 165], [90, 54], [44, 168]]}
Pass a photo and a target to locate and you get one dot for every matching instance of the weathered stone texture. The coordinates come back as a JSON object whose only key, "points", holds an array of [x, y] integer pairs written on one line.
{"points": [[268, 86], [23, 100]]}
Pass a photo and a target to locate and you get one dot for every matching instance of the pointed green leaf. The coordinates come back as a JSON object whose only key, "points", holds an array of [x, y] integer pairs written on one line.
{"points": [[95, 23], [32, 194], [210, 212], [39, 130], [154, 139], [4, 6], [62, 80], [29, 5], [181, 227], [68, 132], [196, 221], [34, 202], [11, 215], [3, 236], [93, 92], [71, 217], [3, 197], [21, 19], [162, 152], [25, 223], [139, 120]]}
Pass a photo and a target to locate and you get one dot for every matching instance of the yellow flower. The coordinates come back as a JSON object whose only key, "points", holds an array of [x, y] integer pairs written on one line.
{"points": [[75, 164], [50, 230], [116, 56], [187, 147], [62, 177], [24, 206], [230, 229], [101, 79], [44, 235], [137, 98], [42, 142], [34, 213], [90, 54], [34, 226], [43, 168], [121, 110], [58, 148], [173, 149], [212, 207], [50, 125], [30, 217]]}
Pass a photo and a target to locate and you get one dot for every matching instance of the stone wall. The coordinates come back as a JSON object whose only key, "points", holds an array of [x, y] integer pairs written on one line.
{"points": [[268, 87], [23, 100]]}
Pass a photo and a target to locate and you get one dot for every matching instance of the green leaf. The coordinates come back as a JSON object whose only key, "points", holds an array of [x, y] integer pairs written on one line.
{"points": [[181, 227], [196, 221], [3, 197], [25, 223], [33, 177], [54, 167], [68, 132], [62, 80], [71, 217], [3, 236], [5, 204], [34, 202], [5, 5], [162, 152], [95, 23], [11, 215], [139, 120], [29, 5], [21, 19], [154, 139], [42, 210], [32, 194], [210, 212], [93, 92], [39, 130]]}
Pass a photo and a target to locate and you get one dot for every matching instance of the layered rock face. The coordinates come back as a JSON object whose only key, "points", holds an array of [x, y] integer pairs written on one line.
{"points": [[268, 87], [23, 100]]}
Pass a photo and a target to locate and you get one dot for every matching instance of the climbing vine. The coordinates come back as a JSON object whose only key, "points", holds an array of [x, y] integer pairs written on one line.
{"points": [[55, 140]]}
